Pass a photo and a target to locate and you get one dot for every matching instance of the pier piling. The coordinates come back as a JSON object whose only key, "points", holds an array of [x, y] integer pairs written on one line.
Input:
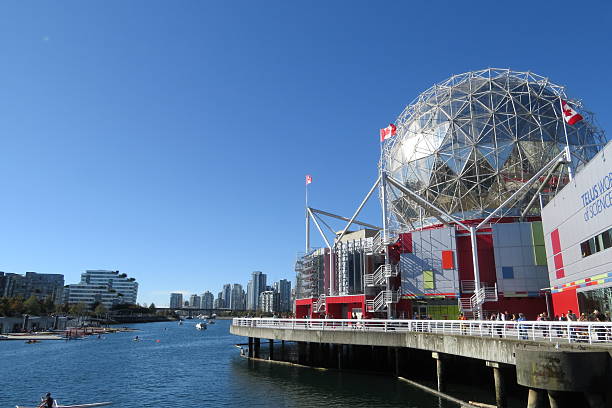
{"points": [[439, 370], [500, 388]]}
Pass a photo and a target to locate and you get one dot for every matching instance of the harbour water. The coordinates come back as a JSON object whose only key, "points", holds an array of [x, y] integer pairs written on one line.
{"points": [[185, 368]]}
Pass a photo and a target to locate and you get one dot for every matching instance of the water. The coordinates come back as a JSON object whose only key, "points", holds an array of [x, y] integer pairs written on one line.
{"points": [[186, 368]]}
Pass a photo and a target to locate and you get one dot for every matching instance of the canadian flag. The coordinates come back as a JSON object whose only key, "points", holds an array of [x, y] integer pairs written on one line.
{"points": [[570, 115], [308, 179], [389, 131]]}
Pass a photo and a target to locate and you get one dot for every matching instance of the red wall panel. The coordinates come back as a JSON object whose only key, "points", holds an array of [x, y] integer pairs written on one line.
{"points": [[447, 260], [486, 259], [564, 301]]}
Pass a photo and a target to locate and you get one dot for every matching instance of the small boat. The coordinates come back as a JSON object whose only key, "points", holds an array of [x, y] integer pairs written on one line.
{"points": [[55, 405], [201, 326], [180, 322]]}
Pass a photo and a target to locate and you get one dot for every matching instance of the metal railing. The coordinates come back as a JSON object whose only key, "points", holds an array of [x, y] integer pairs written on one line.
{"points": [[378, 278], [320, 303], [552, 332]]}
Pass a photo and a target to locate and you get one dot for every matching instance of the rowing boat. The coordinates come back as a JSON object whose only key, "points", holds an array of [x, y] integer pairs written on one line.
{"points": [[95, 404]]}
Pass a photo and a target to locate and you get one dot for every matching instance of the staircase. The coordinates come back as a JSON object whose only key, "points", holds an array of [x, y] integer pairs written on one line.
{"points": [[377, 245], [379, 277], [382, 300], [471, 307], [319, 304]]}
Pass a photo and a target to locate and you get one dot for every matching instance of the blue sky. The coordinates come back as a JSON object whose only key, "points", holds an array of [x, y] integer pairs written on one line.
{"points": [[170, 140]]}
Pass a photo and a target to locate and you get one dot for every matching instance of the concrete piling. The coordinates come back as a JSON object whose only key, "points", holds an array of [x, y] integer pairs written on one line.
{"points": [[536, 398], [250, 347], [256, 347], [271, 349], [500, 388], [439, 370]]}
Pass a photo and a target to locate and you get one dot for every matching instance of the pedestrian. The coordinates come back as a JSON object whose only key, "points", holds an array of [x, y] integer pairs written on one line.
{"points": [[522, 328]]}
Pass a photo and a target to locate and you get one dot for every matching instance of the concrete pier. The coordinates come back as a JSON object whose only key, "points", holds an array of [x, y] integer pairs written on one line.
{"points": [[500, 388], [553, 373]]}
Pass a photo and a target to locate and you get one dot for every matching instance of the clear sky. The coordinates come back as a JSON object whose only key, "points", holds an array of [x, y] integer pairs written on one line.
{"points": [[170, 139]]}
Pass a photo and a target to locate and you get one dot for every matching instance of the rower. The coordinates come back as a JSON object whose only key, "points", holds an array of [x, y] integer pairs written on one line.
{"points": [[47, 401]]}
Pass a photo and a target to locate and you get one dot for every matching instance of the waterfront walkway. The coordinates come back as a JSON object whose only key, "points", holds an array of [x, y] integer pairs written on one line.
{"points": [[541, 331]]}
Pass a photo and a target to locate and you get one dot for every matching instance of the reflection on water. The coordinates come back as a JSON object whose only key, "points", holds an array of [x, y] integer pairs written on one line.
{"points": [[186, 367]]}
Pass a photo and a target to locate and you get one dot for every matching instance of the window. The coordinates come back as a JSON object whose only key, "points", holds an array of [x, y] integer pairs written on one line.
{"points": [[596, 244], [507, 272], [428, 280]]}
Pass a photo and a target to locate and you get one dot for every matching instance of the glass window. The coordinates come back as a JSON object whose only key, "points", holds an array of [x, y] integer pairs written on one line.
{"points": [[585, 249], [592, 245], [508, 272], [607, 239]]}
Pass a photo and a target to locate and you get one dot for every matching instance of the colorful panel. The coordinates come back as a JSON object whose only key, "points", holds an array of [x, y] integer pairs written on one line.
{"points": [[556, 243], [447, 260], [428, 280], [539, 255]]}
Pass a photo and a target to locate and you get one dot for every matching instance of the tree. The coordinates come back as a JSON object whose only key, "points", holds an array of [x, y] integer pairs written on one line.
{"points": [[100, 309], [77, 309], [16, 305], [32, 306], [153, 308], [62, 308], [48, 305]]}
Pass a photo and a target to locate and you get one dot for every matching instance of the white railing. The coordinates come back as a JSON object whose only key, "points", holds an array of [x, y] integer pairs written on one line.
{"points": [[320, 303], [552, 332], [382, 300], [382, 272]]}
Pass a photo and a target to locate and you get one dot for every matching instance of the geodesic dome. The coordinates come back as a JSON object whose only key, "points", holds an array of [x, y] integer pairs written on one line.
{"points": [[468, 143]]}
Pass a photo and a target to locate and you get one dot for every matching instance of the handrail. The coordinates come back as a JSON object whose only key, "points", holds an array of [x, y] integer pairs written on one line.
{"points": [[542, 331]]}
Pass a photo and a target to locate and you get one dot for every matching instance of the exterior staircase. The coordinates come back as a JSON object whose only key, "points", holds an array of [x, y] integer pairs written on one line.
{"points": [[379, 277], [382, 300], [377, 245], [320, 304], [471, 307]]}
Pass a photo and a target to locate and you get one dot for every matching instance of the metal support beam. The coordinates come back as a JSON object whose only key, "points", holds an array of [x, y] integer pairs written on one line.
{"points": [[536, 194], [518, 192], [365, 200], [421, 201], [339, 217], [314, 219]]}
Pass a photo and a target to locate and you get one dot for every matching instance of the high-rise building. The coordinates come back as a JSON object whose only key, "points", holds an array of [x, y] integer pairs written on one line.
{"points": [[269, 301], [249, 296], [227, 295], [219, 302], [101, 286], [237, 301], [283, 287], [176, 300], [258, 285], [41, 285], [195, 301], [208, 300]]}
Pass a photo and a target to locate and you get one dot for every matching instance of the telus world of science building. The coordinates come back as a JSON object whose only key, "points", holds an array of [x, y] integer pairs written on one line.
{"points": [[578, 231], [464, 173]]}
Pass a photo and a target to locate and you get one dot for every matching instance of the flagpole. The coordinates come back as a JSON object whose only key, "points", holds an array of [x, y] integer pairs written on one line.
{"points": [[307, 219], [570, 171]]}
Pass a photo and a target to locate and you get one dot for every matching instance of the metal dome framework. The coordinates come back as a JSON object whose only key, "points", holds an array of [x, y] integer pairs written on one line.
{"points": [[469, 143]]}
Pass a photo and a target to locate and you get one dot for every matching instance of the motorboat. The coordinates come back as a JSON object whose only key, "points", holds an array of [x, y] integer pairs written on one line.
{"points": [[56, 405], [201, 326]]}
